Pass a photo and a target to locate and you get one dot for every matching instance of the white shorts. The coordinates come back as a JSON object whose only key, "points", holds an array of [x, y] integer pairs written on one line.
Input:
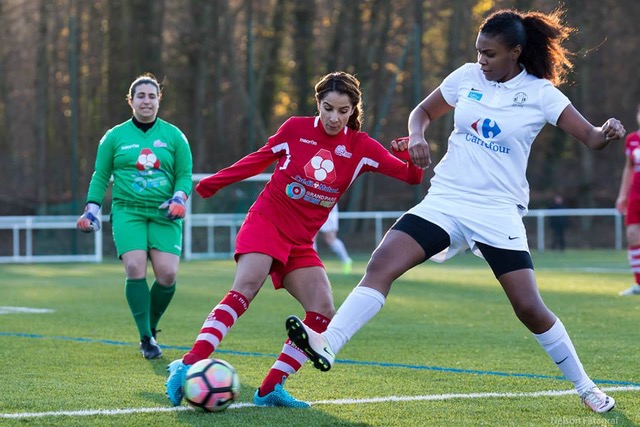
{"points": [[331, 224], [468, 222]]}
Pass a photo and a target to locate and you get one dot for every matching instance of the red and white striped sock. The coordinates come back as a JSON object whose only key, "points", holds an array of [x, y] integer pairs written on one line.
{"points": [[218, 323], [634, 261], [291, 358]]}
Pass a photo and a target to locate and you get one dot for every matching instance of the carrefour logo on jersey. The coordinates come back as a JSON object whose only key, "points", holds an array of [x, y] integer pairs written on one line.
{"points": [[487, 129]]}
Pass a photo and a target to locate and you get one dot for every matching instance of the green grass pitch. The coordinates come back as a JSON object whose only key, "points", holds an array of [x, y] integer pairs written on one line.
{"points": [[446, 350]]}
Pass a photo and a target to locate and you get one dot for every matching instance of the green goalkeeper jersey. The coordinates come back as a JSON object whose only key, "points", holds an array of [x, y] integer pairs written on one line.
{"points": [[147, 167]]}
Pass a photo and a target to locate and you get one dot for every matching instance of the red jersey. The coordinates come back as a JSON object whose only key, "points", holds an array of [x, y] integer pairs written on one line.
{"points": [[313, 170], [632, 151]]}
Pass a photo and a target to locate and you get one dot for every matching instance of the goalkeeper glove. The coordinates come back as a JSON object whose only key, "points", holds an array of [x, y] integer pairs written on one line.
{"points": [[88, 221], [175, 206]]}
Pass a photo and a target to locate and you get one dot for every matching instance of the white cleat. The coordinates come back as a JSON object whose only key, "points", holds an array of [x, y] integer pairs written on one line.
{"points": [[314, 345], [633, 290], [597, 401]]}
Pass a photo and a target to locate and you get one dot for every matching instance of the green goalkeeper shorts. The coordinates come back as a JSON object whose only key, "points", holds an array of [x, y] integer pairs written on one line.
{"points": [[145, 229]]}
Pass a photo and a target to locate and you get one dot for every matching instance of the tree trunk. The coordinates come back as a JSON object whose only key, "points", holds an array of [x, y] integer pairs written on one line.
{"points": [[41, 110], [205, 25], [303, 55]]}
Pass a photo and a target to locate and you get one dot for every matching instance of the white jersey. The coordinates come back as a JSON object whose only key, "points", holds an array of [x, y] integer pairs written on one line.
{"points": [[495, 125], [332, 222]]}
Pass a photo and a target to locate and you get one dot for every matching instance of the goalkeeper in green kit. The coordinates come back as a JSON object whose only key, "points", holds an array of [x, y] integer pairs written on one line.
{"points": [[150, 161]]}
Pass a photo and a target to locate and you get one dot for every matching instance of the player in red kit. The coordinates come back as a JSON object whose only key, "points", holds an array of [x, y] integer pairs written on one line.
{"points": [[628, 203], [317, 159]]}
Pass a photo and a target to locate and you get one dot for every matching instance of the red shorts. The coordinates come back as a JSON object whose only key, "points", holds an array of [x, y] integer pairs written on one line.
{"points": [[260, 235], [633, 211]]}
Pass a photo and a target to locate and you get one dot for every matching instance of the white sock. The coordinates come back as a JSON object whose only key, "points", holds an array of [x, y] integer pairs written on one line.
{"points": [[360, 306], [339, 249], [558, 345]]}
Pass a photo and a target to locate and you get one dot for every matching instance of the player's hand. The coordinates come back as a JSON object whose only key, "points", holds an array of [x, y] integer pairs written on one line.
{"points": [[204, 190], [400, 144], [175, 206], [419, 152], [613, 130], [621, 205], [88, 222]]}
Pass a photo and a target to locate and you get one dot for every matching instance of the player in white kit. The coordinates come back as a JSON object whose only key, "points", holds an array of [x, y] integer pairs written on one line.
{"points": [[329, 233], [480, 193]]}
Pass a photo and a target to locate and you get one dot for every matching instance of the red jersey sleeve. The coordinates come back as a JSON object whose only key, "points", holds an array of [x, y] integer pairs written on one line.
{"points": [[395, 164], [248, 166]]}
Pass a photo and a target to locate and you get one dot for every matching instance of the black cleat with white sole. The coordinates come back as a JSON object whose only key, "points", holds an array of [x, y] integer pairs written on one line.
{"points": [[314, 345]]}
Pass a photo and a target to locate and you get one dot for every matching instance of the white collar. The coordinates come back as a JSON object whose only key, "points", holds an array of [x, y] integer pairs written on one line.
{"points": [[514, 82]]}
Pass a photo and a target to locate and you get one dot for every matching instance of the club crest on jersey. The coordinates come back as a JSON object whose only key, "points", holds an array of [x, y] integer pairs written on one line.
{"points": [[341, 151], [321, 167], [147, 160], [486, 128], [519, 99], [158, 143]]}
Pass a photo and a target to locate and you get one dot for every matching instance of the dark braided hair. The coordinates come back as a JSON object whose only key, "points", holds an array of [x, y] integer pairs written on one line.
{"points": [[540, 35], [344, 83]]}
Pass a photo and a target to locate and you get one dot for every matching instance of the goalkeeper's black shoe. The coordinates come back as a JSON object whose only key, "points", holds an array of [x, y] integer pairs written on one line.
{"points": [[150, 348]]}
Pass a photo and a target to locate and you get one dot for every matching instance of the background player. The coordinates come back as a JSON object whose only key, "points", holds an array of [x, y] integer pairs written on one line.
{"points": [[329, 233], [150, 161], [628, 203]]}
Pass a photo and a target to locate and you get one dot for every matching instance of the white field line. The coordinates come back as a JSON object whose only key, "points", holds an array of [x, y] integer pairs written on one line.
{"points": [[93, 412], [12, 310]]}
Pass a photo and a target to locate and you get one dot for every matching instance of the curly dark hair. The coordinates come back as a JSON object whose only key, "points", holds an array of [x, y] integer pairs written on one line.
{"points": [[541, 37]]}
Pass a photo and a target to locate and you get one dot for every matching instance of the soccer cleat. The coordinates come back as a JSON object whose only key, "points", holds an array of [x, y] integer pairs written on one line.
{"points": [[150, 348], [314, 345], [278, 397], [177, 376], [632, 290], [597, 401], [346, 266]]}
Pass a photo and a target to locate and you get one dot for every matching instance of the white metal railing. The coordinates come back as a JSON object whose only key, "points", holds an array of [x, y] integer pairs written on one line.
{"points": [[541, 214], [231, 222], [27, 225]]}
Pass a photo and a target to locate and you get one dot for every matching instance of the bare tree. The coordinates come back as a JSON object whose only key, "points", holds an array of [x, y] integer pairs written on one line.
{"points": [[303, 49], [400, 50]]}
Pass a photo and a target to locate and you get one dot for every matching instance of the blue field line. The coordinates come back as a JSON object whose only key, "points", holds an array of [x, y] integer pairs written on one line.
{"points": [[342, 361]]}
